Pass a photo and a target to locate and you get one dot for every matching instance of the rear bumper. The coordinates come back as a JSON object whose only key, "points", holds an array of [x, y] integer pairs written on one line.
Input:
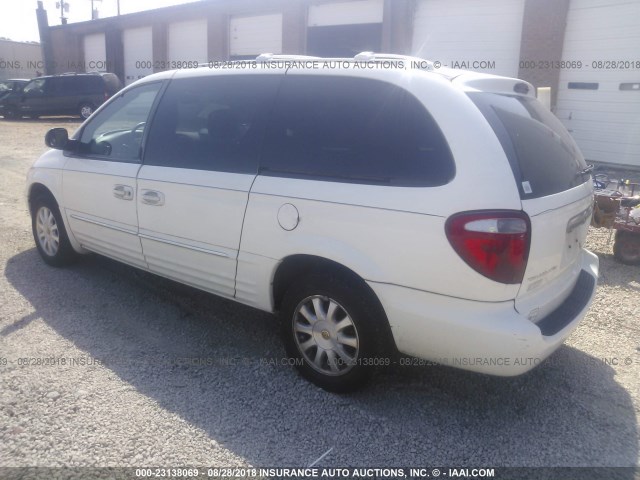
{"points": [[484, 337]]}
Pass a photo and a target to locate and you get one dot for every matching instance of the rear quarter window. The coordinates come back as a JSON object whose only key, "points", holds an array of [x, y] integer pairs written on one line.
{"points": [[544, 158], [354, 130]]}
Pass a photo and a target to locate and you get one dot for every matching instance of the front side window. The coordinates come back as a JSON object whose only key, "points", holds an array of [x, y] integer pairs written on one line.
{"points": [[116, 132], [354, 130], [212, 123], [35, 87]]}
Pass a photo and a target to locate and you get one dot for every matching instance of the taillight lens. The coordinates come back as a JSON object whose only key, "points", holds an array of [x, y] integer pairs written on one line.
{"points": [[493, 243]]}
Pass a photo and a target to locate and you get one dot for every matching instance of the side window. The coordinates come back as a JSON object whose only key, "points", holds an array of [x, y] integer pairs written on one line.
{"points": [[69, 86], [116, 132], [346, 129], [35, 87], [58, 86], [212, 123]]}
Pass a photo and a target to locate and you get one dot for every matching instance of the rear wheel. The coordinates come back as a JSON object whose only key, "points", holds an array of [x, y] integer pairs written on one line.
{"points": [[86, 109], [49, 233], [331, 330], [626, 248]]}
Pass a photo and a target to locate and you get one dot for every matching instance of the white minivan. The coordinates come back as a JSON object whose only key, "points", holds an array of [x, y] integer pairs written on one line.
{"points": [[376, 207]]}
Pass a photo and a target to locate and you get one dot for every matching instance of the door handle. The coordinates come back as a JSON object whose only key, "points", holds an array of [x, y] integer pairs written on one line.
{"points": [[152, 197], [123, 192]]}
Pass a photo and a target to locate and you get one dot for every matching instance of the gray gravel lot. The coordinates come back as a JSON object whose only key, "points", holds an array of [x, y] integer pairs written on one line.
{"points": [[165, 375]]}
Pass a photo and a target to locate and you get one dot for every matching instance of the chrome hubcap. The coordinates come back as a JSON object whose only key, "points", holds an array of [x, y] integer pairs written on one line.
{"points": [[325, 335], [86, 112], [47, 231]]}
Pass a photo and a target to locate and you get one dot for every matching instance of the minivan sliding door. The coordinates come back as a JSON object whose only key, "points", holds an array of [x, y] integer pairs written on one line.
{"points": [[200, 161]]}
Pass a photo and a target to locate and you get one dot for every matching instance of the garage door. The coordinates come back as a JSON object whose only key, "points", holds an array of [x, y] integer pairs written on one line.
{"points": [[251, 36], [95, 53], [138, 53], [187, 41], [344, 29], [473, 35], [346, 13], [600, 102]]}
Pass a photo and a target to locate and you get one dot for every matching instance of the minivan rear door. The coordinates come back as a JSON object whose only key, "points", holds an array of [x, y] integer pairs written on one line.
{"points": [[556, 192]]}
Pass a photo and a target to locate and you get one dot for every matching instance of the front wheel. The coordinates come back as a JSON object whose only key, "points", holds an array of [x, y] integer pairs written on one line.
{"points": [[626, 248], [10, 113], [50, 234], [330, 330]]}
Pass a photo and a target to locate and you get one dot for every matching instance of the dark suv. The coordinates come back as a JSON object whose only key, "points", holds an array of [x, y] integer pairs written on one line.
{"points": [[67, 94]]}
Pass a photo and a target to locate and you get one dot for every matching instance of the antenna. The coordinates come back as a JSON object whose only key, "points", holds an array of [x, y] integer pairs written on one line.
{"points": [[64, 7], [95, 14]]}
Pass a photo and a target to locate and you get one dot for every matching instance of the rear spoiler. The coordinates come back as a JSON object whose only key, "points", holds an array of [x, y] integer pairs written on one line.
{"points": [[479, 82]]}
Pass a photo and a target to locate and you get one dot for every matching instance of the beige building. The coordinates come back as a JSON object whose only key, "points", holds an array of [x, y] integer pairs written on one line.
{"points": [[20, 59]]}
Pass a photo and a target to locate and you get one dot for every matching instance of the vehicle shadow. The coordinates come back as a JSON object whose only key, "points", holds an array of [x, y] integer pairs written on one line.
{"points": [[217, 365], [62, 120]]}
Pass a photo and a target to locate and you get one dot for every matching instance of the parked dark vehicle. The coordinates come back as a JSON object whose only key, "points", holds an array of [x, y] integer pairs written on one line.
{"points": [[12, 85], [67, 94]]}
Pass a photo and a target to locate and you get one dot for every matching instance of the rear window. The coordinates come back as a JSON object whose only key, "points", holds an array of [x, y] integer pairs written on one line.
{"points": [[544, 158]]}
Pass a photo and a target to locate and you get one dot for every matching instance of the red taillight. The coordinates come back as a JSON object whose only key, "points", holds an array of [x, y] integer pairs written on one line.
{"points": [[495, 244]]}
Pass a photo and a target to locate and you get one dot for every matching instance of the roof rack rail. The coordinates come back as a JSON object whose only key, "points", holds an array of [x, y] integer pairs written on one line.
{"points": [[377, 57], [271, 57]]}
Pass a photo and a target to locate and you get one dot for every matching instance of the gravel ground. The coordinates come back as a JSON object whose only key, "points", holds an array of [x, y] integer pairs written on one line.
{"points": [[134, 396]]}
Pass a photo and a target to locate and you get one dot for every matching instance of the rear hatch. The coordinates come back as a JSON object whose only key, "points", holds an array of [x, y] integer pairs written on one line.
{"points": [[555, 190]]}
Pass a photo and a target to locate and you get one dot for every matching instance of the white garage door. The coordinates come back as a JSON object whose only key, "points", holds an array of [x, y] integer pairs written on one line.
{"points": [[346, 13], [600, 102], [138, 53], [95, 53], [251, 36], [470, 34], [187, 41]]}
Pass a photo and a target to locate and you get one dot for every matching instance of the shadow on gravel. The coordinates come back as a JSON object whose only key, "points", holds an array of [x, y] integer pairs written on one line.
{"points": [[70, 119], [215, 364]]}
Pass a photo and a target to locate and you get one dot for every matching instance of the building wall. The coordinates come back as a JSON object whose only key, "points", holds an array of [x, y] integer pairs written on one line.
{"points": [[67, 46], [20, 60], [543, 29]]}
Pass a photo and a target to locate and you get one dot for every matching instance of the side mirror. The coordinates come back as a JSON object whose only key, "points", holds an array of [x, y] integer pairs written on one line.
{"points": [[57, 138]]}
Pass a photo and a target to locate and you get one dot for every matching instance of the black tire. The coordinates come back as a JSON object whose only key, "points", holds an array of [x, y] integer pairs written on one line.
{"points": [[626, 248], [63, 254], [85, 110], [352, 297]]}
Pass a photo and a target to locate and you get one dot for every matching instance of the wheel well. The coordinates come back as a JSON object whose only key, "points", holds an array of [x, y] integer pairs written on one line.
{"points": [[297, 266], [39, 190]]}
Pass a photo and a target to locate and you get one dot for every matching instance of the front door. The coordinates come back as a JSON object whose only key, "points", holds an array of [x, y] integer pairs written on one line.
{"points": [[34, 97], [99, 180]]}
